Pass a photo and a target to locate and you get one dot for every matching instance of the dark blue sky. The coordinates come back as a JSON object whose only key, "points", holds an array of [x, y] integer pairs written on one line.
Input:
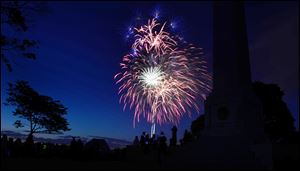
{"points": [[82, 43]]}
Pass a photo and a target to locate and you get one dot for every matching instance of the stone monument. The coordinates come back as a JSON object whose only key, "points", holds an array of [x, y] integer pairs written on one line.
{"points": [[233, 137]]}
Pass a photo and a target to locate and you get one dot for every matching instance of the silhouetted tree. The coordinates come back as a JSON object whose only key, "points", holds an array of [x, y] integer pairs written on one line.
{"points": [[278, 120], [198, 125], [136, 141], [187, 137], [15, 18], [44, 114]]}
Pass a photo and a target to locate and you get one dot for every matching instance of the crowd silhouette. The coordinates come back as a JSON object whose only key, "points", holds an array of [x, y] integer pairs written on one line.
{"points": [[148, 143], [154, 146], [78, 150]]}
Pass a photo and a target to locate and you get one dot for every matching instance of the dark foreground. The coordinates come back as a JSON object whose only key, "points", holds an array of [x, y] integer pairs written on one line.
{"points": [[41, 164], [56, 163]]}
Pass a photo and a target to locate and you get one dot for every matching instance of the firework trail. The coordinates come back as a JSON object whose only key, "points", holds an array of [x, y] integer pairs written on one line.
{"points": [[165, 76]]}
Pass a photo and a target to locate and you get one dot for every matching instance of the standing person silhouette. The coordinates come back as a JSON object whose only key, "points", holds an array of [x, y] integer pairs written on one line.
{"points": [[162, 147], [136, 141], [142, 140], [4, 155]]}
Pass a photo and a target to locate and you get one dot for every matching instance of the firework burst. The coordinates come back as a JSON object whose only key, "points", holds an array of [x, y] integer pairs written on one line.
{"points": [[165, 76]]}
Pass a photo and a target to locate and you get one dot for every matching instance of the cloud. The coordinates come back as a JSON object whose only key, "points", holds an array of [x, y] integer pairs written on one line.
{"points": [[13, 134], [66, 139]]}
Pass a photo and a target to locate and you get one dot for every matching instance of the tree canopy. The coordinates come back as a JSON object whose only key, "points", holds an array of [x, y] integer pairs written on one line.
{"points": [[278, 120], [44, 114], [197, 125], [15, 17]]}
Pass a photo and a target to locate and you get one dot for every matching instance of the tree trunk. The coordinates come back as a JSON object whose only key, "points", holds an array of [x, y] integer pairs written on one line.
{"points": [[30, 123], [30, 135]]}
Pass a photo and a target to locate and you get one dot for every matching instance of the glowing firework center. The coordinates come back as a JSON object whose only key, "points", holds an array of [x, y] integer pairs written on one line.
{"points": [[162, 79], [152, 76]]}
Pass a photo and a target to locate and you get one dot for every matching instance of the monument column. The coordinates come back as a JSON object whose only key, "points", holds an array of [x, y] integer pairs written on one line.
{"points": [[232, 107], [233, 136], [230, 47]]}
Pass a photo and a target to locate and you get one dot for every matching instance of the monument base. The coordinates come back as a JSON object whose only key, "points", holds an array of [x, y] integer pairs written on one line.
{"points": [[222, 152]]}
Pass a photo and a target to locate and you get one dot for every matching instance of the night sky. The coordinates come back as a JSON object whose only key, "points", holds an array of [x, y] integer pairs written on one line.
{"points": [[82, 43]]}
